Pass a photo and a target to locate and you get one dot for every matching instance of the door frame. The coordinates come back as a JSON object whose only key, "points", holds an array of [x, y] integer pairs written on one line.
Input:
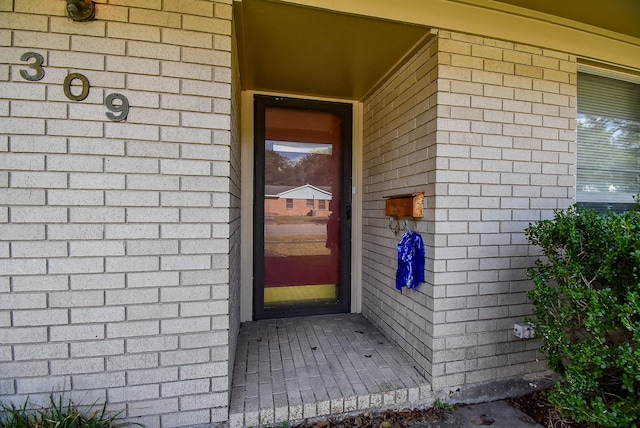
{"points": [[345, 110]]}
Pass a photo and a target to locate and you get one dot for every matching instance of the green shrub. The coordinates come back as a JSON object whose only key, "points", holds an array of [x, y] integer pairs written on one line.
{"points": [[587, 309], [57, 415]]}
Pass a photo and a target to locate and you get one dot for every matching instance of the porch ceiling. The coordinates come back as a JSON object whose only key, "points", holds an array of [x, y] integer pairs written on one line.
{"points": [[301, 50]]}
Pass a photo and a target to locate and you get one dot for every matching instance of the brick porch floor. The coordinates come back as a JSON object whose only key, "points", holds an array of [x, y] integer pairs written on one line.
{"points": [[297, 368]]}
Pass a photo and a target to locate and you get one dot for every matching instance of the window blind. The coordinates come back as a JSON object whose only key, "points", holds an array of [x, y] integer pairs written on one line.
{"points": [[608, 125]]}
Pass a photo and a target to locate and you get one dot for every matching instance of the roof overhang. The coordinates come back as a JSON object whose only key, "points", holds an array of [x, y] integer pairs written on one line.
{"points": [[344, 49]]}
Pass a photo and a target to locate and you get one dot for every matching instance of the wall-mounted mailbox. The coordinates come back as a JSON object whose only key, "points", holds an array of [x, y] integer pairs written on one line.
{"points": [[409, 205]]}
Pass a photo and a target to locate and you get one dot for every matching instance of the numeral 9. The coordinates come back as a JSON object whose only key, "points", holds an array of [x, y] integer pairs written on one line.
{"points": [[122, 108]]}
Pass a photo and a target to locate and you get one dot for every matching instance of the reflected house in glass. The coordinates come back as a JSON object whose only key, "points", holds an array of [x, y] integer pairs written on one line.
{"points": [[301, 200]]}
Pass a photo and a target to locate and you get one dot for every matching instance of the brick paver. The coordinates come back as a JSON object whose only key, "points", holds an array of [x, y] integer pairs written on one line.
{"points": [[298, 368]]}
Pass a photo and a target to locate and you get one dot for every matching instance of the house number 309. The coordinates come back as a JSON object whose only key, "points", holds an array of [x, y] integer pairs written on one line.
{"points": [[117, 104]]}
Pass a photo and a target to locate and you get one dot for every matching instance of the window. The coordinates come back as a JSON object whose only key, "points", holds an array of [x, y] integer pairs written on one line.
{"points": [[289, 204], [310, 203], [322, 204], [608, 124]]}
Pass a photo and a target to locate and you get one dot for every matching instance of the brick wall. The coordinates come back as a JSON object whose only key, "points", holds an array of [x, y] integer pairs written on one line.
{"points": [[399, 157], [503, 156], [116, 238]]}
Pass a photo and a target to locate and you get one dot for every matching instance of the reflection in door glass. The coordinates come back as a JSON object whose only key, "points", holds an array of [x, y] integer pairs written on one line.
{"points": [[301, 207]]}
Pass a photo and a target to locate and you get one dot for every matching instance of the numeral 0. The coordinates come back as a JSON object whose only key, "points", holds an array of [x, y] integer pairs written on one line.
{"points": [[67, 86], [122, 108]]}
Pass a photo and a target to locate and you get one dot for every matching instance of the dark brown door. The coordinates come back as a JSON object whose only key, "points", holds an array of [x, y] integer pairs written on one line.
{"points": [[302, 207]]}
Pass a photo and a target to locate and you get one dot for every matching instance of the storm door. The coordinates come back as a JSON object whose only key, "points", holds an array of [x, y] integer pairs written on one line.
{"points": [[302, 207]]}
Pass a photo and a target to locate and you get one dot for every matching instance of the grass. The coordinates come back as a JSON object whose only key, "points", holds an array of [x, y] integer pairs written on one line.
{"points": [[282, 425], [58, 415], [296, 238], [282, 219], [298, 249], [297, 245], [441, 405]]}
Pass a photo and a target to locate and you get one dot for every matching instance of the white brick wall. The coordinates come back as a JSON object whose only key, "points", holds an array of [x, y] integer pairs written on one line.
{"points": [[115, 237], [524, 147], [399, 157], [494, 149]]}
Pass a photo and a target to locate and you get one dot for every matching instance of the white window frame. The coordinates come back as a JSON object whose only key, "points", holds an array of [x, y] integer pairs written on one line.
{"points": [[603, 196]]}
